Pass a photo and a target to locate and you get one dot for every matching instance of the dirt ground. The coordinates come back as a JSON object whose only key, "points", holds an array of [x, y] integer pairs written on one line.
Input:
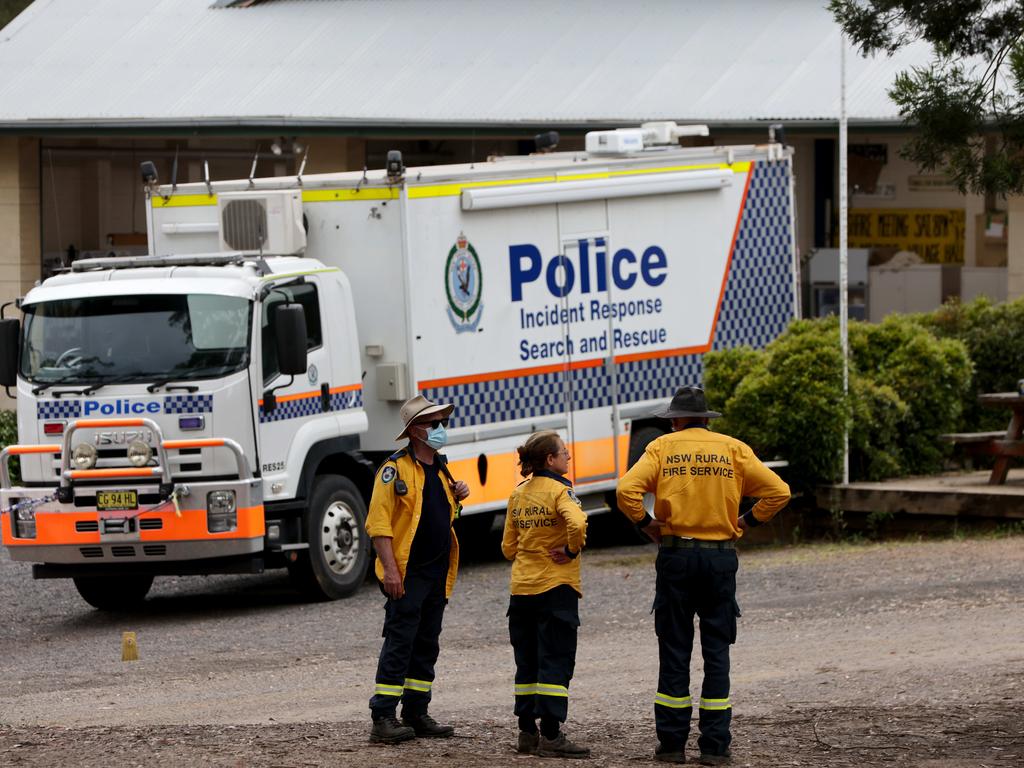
{"points": [[908, 654]]}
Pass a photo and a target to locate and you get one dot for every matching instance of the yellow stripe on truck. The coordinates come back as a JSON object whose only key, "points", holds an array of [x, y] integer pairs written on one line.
{"points": [[356, 194]]}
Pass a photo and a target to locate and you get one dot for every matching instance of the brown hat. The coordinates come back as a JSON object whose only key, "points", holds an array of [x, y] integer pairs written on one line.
{"points": [[418, 406], [688, 402]]}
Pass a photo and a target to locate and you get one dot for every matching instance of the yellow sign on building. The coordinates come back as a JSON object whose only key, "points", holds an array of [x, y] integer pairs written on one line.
{"points": [[934, 234]]}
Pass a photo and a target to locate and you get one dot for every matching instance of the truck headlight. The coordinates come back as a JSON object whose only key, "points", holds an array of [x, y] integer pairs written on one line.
{"points": [[24, 522], [139, 453], [84, 456], [221, 513]]}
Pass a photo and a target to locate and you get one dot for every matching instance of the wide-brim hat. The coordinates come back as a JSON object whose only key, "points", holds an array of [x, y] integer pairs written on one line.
{"points": [[688, 402], [417, 407]]}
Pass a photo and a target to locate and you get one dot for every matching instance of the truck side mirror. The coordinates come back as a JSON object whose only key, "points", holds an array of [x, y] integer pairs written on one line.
{"points": [[290, 322], [10, 332]]}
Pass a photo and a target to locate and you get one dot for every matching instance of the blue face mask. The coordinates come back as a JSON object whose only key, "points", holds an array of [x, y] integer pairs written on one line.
{"points": [[437, 438]]}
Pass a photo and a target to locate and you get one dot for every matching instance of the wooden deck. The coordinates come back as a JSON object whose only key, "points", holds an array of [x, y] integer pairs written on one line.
{"points": [[961, 494]]}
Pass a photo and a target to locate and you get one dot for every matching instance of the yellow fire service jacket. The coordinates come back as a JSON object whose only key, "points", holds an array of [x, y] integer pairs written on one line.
{"points": [[395, 508], [543, 514], [698, 478]]}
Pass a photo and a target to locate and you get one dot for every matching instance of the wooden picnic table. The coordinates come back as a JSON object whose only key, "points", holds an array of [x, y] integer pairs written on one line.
{"points": [[1011, 444]]}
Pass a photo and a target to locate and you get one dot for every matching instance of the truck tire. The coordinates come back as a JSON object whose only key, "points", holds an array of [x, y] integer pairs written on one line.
{"points": [[113, 593], [639, 441], [339, 547]]}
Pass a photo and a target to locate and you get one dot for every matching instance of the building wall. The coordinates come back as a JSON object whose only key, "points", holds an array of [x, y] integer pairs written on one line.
{"points": [[19, 222]]}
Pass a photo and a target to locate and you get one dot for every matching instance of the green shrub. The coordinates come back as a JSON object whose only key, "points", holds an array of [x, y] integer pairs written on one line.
{"points": [[9, 436], [906, 387], [994, 337], [930, 376], [788, 401]]}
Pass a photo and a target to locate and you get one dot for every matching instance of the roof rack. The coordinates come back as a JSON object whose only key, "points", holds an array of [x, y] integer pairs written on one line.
{"points": [[176, 260]]}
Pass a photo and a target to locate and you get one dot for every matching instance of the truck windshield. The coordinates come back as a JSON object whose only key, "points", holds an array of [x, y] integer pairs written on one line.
{"points": [[135, 338]]}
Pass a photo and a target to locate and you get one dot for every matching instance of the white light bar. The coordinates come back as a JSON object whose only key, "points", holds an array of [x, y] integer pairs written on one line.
{"points": [[486, 198]]}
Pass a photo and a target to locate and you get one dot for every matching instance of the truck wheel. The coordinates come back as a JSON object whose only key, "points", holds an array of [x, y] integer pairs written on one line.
{"points": [[339, 548], [113, 593], [639, 441]]}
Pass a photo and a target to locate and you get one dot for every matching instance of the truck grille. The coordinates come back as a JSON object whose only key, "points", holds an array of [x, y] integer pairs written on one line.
{"points": [[151, 524], [87, 526], [154, 550], [122, 550], [91, 551]]}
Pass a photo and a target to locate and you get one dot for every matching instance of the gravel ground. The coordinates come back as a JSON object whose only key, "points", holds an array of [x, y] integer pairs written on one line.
{"points": [[906, 653]]}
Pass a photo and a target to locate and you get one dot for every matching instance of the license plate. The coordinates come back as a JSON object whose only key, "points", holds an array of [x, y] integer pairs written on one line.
{"points": [[116, 501]]}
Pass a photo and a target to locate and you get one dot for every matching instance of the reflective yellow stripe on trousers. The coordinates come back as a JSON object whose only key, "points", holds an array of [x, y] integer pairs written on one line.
{"points": [[674, 702], [715, 704], [423, 686], [388, 690], [547, 689], [526, 689]]}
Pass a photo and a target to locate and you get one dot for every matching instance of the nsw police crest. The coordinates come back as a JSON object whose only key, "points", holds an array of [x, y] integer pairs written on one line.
{"points": [[463, 284]]}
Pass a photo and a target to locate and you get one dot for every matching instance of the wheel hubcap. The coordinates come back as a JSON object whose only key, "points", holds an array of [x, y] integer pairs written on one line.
{"points": [[340, 538]]}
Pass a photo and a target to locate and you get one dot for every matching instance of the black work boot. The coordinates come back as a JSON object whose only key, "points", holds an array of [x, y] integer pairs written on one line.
{"points": [[560, 746], [528, 742], [663, 755], [425, 725], [387, 730]]}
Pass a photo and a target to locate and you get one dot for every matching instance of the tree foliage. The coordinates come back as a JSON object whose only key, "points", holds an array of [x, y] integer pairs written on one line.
{"points": [[907, 386], [967, 103]]}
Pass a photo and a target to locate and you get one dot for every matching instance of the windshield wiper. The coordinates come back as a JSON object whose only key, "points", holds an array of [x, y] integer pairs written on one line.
{"points": [[167, 383], [64, 380], [128, 378]]}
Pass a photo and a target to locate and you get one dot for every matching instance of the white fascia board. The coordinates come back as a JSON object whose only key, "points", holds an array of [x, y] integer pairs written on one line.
{"points": [[594, 189]]}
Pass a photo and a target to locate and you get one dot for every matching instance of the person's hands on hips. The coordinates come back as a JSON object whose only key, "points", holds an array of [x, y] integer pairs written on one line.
{"points": [[559, 556], [460, 490], [393, 586], [653, 531]]}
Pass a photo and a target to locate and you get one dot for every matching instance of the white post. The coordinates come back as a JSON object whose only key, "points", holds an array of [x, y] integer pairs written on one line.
{"points": [[844, 312]]}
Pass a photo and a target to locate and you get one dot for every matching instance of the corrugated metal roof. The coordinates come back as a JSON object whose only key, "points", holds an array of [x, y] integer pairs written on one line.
{"points": [[434, 62]]}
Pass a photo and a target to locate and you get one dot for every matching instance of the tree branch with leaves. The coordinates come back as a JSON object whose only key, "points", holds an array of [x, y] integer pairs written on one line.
{"points": [[966, 105]]}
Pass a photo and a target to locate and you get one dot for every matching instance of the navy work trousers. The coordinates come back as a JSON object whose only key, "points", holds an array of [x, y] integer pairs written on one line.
{"points": [[542, 629], [694, 581], [412, 627]]}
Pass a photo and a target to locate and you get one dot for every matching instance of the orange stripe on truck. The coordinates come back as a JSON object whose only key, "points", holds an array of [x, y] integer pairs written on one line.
{"points": [[58, 528], [315, 393], [22, 450], [590, 458], [54, 528], [89, 474], [191, 526], [106, 423], [209, 442]]}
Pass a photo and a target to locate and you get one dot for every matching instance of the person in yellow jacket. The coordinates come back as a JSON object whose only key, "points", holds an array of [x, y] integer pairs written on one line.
{"points": [[698, 478], [414, 502], [545, 530]]}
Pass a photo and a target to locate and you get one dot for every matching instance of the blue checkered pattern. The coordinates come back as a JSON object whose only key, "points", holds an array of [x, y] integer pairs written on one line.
{"points": [[58, 409], [310, 406], [756, 307], [188, 404], [758, 301]]}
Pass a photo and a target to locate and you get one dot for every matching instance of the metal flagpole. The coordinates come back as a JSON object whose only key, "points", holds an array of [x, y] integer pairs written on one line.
{"points": [[844, 340]]}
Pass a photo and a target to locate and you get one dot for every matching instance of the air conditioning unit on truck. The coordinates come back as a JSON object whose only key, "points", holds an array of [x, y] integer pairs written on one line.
{"points": [[221, 404]]}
